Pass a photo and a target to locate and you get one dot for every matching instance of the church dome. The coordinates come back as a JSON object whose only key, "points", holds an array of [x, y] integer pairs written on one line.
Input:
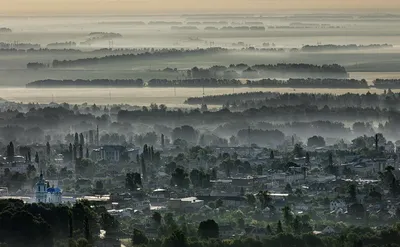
{"points": [[54, 190]]}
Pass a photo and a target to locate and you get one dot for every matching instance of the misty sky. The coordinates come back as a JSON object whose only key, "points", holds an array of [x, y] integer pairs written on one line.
{"points": [[48, 7]]}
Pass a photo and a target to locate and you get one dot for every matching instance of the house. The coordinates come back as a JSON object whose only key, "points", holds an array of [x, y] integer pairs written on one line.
{"points": [[17, 164], [141, 205], [328, 230], [255, 232], [337, 204], [84, 183], [123, 213], [301, 207], [243, 182], [317, 187], [3, 191], [159, 195], [188, 204], [227, 201]]}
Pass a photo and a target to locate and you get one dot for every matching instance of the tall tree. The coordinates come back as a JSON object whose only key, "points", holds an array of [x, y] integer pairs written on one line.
{"points": [[162, 140], [180, 178], [88, 235], [271, 155], [298, 150], [10, 150], [208, 229], [330, 159], [287, 215], [259, 170], [81, 139], [264, 198], [137, 159], [279, 228], [81, 151], [76, 139], [177, 238], [138, 238], [87, 153], [37, 158], [288, 188], [269, 229], [296, 225], [74, 152], [29, 156], [352, 190], [70, 151], [133, 181], [143, 166], [251, 199], [151, 154], [97, 136], [91, 137], [157, 218], [70, 225], [48, 149]]}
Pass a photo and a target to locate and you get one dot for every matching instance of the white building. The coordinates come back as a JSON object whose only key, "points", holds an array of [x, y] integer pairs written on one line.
{"points": [[46, 194], [111, 153]]}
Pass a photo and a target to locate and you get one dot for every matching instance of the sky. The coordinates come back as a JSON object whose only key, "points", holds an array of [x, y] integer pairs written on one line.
{"points": [[54, 7]]}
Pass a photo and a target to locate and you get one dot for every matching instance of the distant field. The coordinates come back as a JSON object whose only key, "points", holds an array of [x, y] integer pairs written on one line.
{"points": [[384, 63], [141, 96]]}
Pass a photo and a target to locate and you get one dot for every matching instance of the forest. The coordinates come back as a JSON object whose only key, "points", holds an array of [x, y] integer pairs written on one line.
{"points": [[87, 83]]}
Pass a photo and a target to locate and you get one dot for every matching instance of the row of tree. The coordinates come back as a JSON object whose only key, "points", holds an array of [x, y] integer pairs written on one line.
{"points": [[280, 70], [241, 101], [309, 83], [85, 83], [154, 54]]}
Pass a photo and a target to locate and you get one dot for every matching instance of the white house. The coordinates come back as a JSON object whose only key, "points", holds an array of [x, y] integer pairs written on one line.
{"points": [[111, 153]]}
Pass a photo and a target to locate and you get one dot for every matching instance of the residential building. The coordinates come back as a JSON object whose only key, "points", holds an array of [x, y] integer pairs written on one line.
{"points": [[188, 204], [111, 153], [338, 204]]}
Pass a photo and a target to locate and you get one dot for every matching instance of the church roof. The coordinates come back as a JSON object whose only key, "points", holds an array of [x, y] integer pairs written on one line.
{"points": [[54, 190]]}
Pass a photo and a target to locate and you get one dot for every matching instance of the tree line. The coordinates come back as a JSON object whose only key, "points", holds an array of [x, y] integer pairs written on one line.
{"points": [[387, 83], [309, 83], [127, 57], [271, 70], [331, 47], [242, 101], [87, 83], [208, 82], [205, 82]]}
